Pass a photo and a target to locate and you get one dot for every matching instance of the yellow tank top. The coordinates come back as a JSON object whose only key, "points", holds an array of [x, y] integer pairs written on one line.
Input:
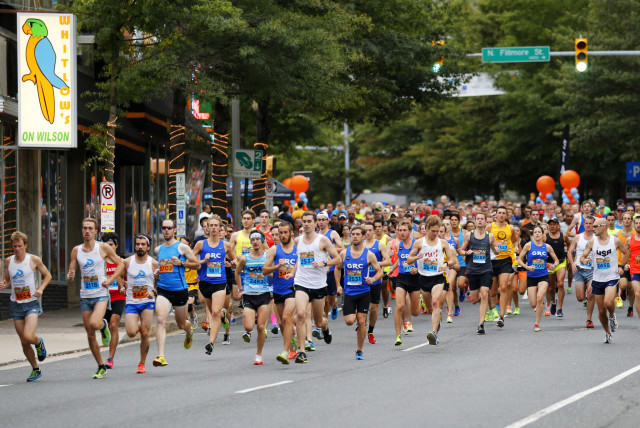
{"points": [[503, 241], [191, 276], [243, 244], [624, 241]]}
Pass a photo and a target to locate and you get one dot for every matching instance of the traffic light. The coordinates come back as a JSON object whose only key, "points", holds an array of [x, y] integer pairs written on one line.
{"points": [[270, 165], [582, 60], [437, 66]]}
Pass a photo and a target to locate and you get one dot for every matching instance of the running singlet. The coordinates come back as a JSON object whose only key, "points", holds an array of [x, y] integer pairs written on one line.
{"points": [[114, 287], [624, 241], [23, 280], [503, 240], [213, 271], [139, 281], [557, 244], [254, 281], [355, 270], [281, 285], [634, 258], [328, 235], [431, 258], [606, 266], [375, 249], [383, 241], [479, 261], [306, 275], [580, 246], [458, 243], [243, 244], [171, 277], [403, 254], [537, 257], [93, 268], [393, 254]]}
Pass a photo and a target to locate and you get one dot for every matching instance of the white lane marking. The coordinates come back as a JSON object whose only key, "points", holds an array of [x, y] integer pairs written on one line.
{"points": [[6, 385], [244, 391], [415, 347], [547, 410]]}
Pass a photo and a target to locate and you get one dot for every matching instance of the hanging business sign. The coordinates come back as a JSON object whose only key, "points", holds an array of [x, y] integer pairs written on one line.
{"points": [[47, 80]]}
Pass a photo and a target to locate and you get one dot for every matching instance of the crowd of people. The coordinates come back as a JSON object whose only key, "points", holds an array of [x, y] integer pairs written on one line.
{"points": [[289, 269]]}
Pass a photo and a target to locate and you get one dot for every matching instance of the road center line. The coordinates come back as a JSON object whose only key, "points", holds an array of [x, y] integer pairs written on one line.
{"points": [[244, 391], [415, 347], [6, 385], [547, 410]]}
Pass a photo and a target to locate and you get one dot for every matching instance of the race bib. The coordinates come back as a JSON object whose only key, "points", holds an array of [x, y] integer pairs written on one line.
{"points": [[282, 272], [245, 250], [637, 260], [306, 259], [214, 269], [589, 263], [256, 279], [503, 247], [90, 282], [114, 286], [22, 293], [539, 264], [139, 291], [603, 263], [479, 256], [166, 266], [354, 277], [550, 268], [406, 267], [430, 265]]}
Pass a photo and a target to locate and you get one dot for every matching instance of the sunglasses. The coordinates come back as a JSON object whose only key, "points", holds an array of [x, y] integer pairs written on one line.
{"points": [[167, 227]]}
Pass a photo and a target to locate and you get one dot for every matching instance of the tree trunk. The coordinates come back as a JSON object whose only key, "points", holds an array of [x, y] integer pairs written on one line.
{"points": [[176, 146], [109, 167], [220, 159], [262, 138]]}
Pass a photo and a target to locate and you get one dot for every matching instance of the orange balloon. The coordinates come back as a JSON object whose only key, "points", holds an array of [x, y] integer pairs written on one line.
{"points": [[567, 192], [545, 184], [287, 182], [299, 184], [573, 200], [93, 185], [570, 179]]}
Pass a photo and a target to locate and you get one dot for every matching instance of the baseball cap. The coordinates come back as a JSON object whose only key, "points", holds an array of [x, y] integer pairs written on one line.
{"points": [[553, 220], [386, 210], [621, 207], [429, 202], [323, 214], [620, 202], [342, 216], [394, 213]]}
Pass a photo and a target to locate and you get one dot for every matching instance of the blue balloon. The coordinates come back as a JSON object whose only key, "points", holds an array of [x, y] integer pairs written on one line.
{"points": [[302, 195], [549, 196], [305, 200], [574, 191], [539, 200], [293, 202]]}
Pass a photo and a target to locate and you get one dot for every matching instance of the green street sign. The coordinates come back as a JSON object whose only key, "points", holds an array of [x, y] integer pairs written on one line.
{"points": [[247, 163], [516, 54]]}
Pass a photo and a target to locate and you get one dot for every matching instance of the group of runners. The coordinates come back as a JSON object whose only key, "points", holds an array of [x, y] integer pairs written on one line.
{"points": [[295, 278]]}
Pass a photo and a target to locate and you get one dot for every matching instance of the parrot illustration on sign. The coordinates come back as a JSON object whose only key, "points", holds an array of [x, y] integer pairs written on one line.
{"points": [[41, 60]]}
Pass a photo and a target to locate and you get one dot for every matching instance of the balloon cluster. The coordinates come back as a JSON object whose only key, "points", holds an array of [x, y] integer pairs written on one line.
{"points": [[299, 184], [570, 180], [545, 186]]}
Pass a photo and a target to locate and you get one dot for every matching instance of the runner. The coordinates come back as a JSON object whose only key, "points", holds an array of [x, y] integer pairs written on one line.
{"points": [[429, 253], [310, 275], [280, 262], [583, 272], [91, 257], [383, 238], [21, 271], [577, 225], [332, 288], [519, 280], [537, 252], [114, 314], [172, 288], [265, 227], [451, 275], [191, 276], [459, 236], [141, 295], [606, 274], [213, 253], [362, 271], [633, 265], [503, 266], [479, 267], [625, 279], [257, 292], [379, 251], [557, 241]]}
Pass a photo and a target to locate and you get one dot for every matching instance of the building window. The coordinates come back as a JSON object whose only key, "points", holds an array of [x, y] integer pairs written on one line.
{"points": [[9, 179], [53, 212]]}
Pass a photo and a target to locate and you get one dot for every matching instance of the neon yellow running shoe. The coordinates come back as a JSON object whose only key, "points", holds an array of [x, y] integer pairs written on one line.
{"points": [[398, 341], [516, 311], [188, 341]]}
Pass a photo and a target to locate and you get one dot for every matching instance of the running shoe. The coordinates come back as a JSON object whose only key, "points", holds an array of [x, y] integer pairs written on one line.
{"points": [[424, 306], [301, 358], [500, 322], [480, 328], [389, 309], [105, 333], [372, 340], [584, 302], [42, 351], [266, 332], [608, 338], [623, 295], [456, 312], [194, 320], [491, 316], [559, 313], [35, 375], [160, 361], [208, 348], [226, 339], [274, 329], [257, 361], [141, 369], [613, 323], [404, 328], [552, 310], [334, 313], [630, 312], [246, 336], [410, 327], [109, 363], [486, 316], [393, 295], [308, 346], [547, 311], [497, 309], [283, 357], [569, 290], [292, 355], [590, 324], [509, 311], [188, 340], [516, 311], [398, 341], [461, 296], [232, 321], [326, 334], [317, 333], [438, 329], [496, 312], [449, 318], [385, 312], [224, 322], [432, 337], [102, 371], [619, 302], [536, 327], [205, 326], [359, 355], [294, 343]]}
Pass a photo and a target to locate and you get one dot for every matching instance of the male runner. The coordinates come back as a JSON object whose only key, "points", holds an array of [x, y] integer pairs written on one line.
{"points": [[265, 227], [361, 272], [429, 254], [381, 254], [332, 289], [140, 292], [505, 259], [172, 288], [606, 273], [459, 236], [557, 241], [579, 218], [583, 272], [315, 254], [383, 238], [625, 279], [91, 257], [20, 272], [633, 265], [479, 267], [114, 314]]}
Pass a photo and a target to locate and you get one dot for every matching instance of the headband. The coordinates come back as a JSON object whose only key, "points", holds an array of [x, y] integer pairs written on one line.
{"points": [[256, 235], [145, 237]]}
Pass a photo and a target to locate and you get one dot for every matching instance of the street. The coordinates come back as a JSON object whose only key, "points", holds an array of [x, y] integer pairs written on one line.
{"points": [[467, 380]]}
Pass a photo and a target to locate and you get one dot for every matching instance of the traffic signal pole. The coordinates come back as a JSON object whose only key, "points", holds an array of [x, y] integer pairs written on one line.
{"points": [[572, 53]]}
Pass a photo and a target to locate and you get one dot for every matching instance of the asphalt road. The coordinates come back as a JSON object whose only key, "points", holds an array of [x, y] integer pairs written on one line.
{"points": [[467, 380]]}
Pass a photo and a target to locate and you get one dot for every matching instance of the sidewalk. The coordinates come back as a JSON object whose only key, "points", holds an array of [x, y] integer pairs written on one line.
{"points": [[64, 333]]}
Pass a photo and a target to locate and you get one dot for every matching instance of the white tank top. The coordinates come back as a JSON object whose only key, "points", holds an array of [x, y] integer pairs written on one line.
{"points": [[93, 269], [431, 258], [139, 281], [23, 280], [606, 260], [306, 275], [580, 246]]}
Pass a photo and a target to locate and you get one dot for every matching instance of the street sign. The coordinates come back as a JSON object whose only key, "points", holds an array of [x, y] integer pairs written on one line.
{"points": [[247, 163], [107, 193], [633, 172], [516, 54], [269, 188], [107, 218], [181, 218], [633, 192], [181, 186]]}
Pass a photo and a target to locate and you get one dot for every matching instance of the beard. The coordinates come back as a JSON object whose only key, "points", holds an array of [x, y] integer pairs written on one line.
{"points": [[141, 253]]}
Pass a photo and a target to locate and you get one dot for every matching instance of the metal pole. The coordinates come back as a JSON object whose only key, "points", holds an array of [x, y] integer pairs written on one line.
{"points": [[236, 203], [572, 53], [347, 181]]}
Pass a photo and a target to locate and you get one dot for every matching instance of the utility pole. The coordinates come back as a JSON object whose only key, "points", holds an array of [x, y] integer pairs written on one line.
{"points": [[236, 204], [347, 181]]}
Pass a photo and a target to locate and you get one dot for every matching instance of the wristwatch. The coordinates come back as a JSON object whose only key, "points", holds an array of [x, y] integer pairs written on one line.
{"points": [[325, 263]]}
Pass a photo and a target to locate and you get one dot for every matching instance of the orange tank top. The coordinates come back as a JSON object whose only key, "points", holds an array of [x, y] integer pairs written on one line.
{"points": [[634, 258]]}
